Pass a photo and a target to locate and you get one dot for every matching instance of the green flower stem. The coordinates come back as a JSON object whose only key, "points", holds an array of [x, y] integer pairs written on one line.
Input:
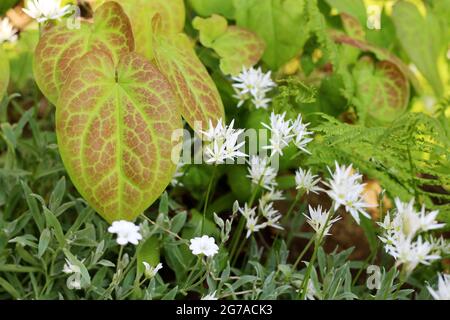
{"points": [[188, 279], [305, 249], [304, 285], [241, 225], [208, 192]]}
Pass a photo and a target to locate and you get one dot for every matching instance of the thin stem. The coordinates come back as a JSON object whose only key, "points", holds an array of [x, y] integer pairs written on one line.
{"points": [[208, 192], [305, 249], [188, 279], [303, 287], [164, 229]]}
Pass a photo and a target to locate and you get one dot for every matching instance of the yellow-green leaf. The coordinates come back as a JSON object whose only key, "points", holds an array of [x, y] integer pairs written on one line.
{"points": [[141, 12], [114, 124], [199, 97], [60, 47], [236, 46]]}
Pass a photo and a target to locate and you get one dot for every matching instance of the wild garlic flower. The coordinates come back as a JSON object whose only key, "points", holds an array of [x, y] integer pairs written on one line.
{"points": [[150, 272], [127, 232], [346, 189], [44, 10], [443, 290], [317, 219], [222, 143], [7, 31], [406, 220], [210, 296], [252, 220], [74, 280], [410, 253], [272, 195], [253, 83], [305, 180], [281, 133], [301, 133], [272, 215], [310, 291], [203, 245], [261, 173]]}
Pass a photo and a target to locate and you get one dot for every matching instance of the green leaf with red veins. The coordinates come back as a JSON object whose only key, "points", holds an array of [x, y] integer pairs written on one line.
{"points": [[114, 124], [237, 47], [199, 97], [140, 12], [382, 90], [59, 46], [4, 73]]}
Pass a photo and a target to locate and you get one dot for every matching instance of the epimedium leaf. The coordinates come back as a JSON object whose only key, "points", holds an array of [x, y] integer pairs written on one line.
{"points": [[60, 46], [352, 26], [281, 23], [141, 12], [236, 46], [177, 60], [114, 124], [210, 28], [4, 74], [380, 53], [382, 89], [420, 38]]}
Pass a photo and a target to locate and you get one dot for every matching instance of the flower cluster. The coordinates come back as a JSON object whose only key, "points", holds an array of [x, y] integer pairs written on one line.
{"points": [[7, 31], [150, 272], [261, 173], [402, 235], [306, 181], [127, 232], [443, 290], [204, 246], [346, 189], [44, 10], [320, 220], [266, 211], [74, 280], [222, 143], [253, 83], [284, 131]]}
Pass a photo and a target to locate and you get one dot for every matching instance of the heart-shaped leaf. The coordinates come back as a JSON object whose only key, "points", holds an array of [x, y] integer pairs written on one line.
{"points": [[382, 89], [114, 125], [177, 60], [60, 46], [281, 23], [237, 47], [4, 74], [141, 12]]}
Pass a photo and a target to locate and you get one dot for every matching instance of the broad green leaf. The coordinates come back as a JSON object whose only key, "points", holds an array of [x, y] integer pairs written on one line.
{"points": [[380, 53], [60, 47], [205, 8], [236, 46], [114, 126], [141, 12], [281, 23], [200, 99], [210, 28], [420, 38], [355, 8], [381, 89], [148, 251], [4, 73]]}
